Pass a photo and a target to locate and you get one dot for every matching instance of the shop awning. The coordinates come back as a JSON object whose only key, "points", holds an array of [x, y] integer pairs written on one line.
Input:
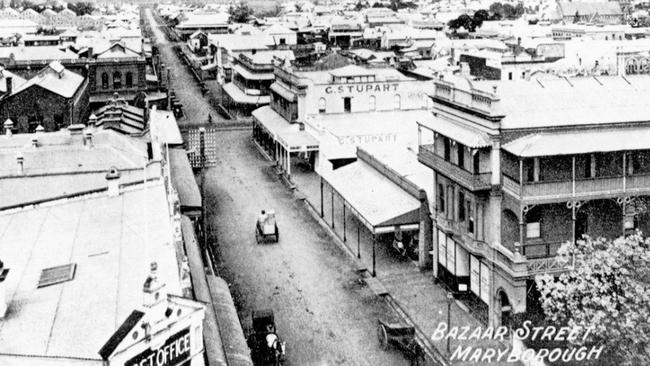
{"points": [[183, 180], [238, 96], [283, 92], [580, 142], [465, 135], [252, 76], [270, 120], [298, 140], [376, 201]]}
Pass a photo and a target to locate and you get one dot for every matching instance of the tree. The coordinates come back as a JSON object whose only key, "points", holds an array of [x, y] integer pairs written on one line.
{"points": [[480, 16], [81, 7], [576, 18], [608, 288], [240, 12]]}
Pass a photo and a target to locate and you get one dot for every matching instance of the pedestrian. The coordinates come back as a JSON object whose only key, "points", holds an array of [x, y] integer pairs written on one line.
{"points": [[209, 118]]}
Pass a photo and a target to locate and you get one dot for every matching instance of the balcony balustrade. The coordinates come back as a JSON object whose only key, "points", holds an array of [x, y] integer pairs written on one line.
{"points": [[469, 180]]}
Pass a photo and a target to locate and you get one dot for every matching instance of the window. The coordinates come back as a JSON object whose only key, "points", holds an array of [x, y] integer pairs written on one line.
{"points": [[530, 169], [104, 80], [283, 41], [372, 103], [321, 105], [588, 168], [347, 104], [461, 206], [470, 218], [461, 155], [532, 230], [447, 148], [476, 162], [117, 80], [129, 80], [509, 76], [441, 198], [397, 102]]}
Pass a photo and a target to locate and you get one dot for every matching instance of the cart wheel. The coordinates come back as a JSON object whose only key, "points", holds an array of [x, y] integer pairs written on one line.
{"points": [[383, 337], [257, 236]]}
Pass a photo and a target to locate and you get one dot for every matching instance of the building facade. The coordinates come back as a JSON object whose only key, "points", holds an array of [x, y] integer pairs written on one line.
{"points": [[514, 181]]}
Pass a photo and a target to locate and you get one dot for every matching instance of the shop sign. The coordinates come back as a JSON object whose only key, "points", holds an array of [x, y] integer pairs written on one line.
{"points": [[383, 138], [637, 65], [361, 88], [175, 351]]}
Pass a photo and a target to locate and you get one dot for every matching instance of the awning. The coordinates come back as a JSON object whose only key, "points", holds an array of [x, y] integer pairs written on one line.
{"points": [[238, 96], [298, 141], [252, 76], [579, 142], [183, 180], [465, 135], [283, 92], [270, 120], [376, 201]]}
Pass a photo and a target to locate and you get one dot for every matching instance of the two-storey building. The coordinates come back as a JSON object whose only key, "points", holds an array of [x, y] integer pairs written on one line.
{"points": [[525, 166]]}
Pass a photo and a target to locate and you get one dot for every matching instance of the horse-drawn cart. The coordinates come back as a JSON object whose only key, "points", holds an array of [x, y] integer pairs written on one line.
{"points": [[266, 346], [401, 336]]}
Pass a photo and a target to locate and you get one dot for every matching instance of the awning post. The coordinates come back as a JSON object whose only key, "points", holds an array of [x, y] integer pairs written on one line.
{"points": [[321, 197], [374, 242], [344, 225]]}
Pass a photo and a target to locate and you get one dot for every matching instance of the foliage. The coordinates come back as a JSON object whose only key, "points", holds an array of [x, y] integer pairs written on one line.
{"points": [[469, 23], [362, 5], [82, 7], [506, 11], [576, 17], [240, 12], [272, 12], [608, 288]]}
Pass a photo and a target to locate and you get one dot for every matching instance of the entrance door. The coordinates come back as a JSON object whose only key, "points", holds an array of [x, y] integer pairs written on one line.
{"points": [[347, 104], [581, 224]]}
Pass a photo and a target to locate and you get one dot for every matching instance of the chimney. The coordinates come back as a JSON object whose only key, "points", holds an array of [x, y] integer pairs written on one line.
{"points": [[3, 289], [20, 160], [88, 138], [152, 288], [494, 89], [92, 121], [34, 141], [76, 132], [301, 126], [10, 85], [40, 129], [9, 126], [90, 52], [113, 179]]}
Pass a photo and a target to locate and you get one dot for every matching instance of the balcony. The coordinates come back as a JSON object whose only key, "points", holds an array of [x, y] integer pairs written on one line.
{"points": [[469, 180], [458, 230], [594, 188]]}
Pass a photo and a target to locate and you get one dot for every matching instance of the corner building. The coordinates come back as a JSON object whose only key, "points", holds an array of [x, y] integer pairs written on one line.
{"points": [[521, 168]]}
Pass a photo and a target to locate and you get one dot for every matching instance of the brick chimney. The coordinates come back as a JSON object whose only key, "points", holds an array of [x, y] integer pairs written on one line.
{"points": [[3, 289], [20, 159], [153, 288], [10, 84], [113, 180], [88, 138], [92, 120], [76, 132], [90, 52]]}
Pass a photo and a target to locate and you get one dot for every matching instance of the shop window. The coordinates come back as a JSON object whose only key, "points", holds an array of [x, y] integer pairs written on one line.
{"points": [[104, 80], [347, 104], [117, 80], [322, 103], [441, 198], [397, 102], [372, 103], [283, 41], [129, 79], [461, 206]]}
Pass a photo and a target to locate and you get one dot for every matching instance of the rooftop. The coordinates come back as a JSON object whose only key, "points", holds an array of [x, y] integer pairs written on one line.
{"points": [[56, 79], [112, 241]]}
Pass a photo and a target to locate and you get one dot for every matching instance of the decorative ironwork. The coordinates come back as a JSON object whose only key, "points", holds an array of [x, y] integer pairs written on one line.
{"points": [[574, 204]]}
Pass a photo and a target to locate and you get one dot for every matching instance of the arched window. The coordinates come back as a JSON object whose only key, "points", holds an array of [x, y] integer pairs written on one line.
{"points": [[322, 104], [117, 80], [129, 79], [372, 103], [104, 81], [397, 102]]}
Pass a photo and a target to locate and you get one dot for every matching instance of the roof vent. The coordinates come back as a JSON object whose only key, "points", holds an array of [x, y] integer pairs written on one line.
{"points": [[76, 129], [55, 275]]}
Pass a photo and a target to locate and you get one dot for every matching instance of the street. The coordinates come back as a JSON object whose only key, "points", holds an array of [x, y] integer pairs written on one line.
{"points": [[323, 311]]}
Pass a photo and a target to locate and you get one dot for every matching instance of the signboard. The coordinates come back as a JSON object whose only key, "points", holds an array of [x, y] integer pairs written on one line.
{"points": [[174, 351], [485, 283], [475, 275], [451, 256], [361, 88], [442, 248]]}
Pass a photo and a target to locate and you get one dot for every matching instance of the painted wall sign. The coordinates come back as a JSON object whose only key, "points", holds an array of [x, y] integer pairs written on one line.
{"points": [[637, 65], [361, 88], [367, 139], [175, 351]]}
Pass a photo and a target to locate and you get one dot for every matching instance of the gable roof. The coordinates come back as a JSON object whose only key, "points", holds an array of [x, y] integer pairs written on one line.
{"points": [[107, 349], [55, 78]]}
